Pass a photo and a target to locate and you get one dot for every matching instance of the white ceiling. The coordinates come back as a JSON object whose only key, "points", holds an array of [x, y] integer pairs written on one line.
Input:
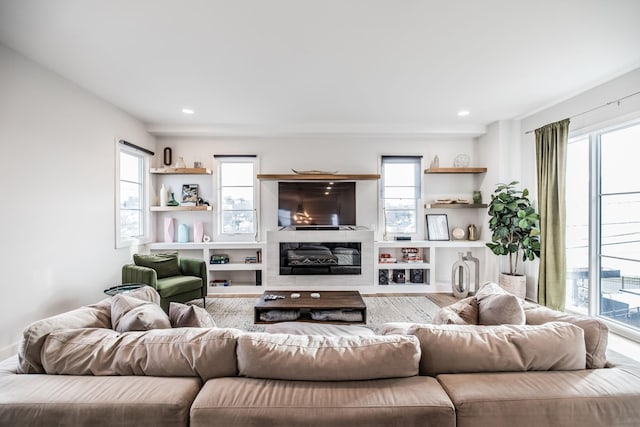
{"points": [[328, 65]]}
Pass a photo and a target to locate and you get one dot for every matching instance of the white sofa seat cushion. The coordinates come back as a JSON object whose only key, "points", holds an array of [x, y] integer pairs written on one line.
{"points": [[503, 348], [184, 352], [320, 358]]}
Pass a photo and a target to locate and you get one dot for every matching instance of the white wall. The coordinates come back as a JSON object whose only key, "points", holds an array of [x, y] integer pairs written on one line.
{"points": [[57, 174]]}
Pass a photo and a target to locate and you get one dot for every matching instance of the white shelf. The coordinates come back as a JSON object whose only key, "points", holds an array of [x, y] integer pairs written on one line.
{"points": [[430, 243], [237, 288], [207, 245], [236, 266], [403, 265]]}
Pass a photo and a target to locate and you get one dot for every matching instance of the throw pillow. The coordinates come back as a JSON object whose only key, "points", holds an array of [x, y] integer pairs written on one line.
{"points": [[189, 316], [165, 265], [497, 306], [145, 293], [132, 314]]}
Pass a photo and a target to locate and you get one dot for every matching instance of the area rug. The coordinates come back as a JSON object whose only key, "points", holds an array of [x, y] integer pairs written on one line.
{"points": [[232, 312]]}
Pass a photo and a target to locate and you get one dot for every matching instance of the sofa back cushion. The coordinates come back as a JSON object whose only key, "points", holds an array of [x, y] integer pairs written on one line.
{"points": [[132, 314], [165, 265], [33, 337], [192, 352], [324, 358], [596, 332], [450, 349]]}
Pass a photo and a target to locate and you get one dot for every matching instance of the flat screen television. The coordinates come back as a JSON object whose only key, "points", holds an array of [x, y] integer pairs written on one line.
{"points": [[318, 203]]}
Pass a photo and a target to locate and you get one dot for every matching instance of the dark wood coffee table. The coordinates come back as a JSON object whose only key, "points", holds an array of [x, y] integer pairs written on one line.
{"points": [[329, 300]]}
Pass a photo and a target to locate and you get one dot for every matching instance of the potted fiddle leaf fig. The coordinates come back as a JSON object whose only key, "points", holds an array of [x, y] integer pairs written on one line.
{"points": [[515, 233]]}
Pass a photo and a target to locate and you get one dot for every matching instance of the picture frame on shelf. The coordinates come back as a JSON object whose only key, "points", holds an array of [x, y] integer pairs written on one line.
{"points": [[437, 227], [189, 195]]}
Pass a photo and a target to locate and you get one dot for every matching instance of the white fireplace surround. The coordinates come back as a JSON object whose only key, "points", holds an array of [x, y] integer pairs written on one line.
{"points": [[336, 282]]}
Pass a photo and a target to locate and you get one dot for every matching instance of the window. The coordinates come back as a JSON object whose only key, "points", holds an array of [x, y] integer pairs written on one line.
{"points": [[132, 212], [603, 237], [400, 193], [237, 195]]}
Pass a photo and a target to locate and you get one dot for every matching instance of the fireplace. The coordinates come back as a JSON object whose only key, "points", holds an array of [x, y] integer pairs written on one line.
{"points": [[320, 258]]}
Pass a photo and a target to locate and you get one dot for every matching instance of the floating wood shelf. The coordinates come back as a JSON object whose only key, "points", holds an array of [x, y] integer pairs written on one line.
{"points": [[180, 208], [455, 205], [181, 171], [455, 170], [317, 177]]}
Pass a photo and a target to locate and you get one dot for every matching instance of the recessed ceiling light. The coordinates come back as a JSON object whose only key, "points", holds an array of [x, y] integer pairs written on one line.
{"points": [[188, 111], [463, 113]]}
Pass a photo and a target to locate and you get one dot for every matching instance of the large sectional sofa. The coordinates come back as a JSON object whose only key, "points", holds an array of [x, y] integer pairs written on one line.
{"points": [[75, 369]]}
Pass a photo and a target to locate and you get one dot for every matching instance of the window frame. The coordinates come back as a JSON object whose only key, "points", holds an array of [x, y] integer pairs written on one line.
{"points": [[594, 135], [236, 236], [145, 217], [419, 188]]}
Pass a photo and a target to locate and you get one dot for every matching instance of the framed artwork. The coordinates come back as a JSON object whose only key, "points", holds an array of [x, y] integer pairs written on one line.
{"points": [[437, 227], [189, 194]]}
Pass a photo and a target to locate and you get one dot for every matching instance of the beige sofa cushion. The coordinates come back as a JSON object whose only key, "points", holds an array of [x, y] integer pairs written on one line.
{"points": [[186, 352], [189, 316], [319, 358], [324, 329], [586, 398], [503, 348], [596, 332], [60, 400], [92, 316], [414, 401], [132, 314]]}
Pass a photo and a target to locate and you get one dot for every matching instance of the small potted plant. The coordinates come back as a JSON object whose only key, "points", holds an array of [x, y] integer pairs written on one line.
{"points": [[514, 227]]}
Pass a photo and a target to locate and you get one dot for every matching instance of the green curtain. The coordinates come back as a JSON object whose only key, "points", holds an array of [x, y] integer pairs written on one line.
{"points": [[551, 160]]}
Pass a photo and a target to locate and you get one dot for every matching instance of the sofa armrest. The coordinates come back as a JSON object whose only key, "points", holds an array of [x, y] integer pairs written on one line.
{"points": [[132, 273], [194, 267]]}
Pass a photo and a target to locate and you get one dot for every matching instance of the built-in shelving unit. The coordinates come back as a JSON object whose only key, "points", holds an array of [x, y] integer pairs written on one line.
{"points": [[317, 177], [180, 171], [240, 276], [418, 276]]}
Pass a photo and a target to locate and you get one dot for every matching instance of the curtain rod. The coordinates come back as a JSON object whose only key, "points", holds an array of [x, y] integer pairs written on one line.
{"points": [[137, 147], [615, 101]]}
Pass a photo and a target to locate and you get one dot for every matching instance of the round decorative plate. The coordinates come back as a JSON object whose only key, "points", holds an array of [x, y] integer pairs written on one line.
{"points": [[458, 233]]}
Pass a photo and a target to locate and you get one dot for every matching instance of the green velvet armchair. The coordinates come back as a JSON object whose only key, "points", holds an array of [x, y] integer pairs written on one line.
{"points": [[176, 279]]}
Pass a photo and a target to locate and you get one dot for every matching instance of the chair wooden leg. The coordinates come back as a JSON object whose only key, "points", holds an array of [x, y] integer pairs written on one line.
{"points": [[204, 302]]}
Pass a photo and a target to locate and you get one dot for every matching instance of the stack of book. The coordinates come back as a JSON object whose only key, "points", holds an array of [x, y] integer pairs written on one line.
{"points": [[251, 260], [219, 259], [411, 255], [386, 259], [219, 282]]}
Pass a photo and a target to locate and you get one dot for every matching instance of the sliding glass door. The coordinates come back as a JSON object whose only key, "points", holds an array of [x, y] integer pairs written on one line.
{"points": [[603, 224]]}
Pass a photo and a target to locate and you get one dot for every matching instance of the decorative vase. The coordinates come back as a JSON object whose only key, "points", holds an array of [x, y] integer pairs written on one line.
{"points": [[460, 277], [477, 197], [163, 196], [514, 284], [173, 201], [183, 233], [169, 230], [472, 232], [180, 164], [198, 231]]}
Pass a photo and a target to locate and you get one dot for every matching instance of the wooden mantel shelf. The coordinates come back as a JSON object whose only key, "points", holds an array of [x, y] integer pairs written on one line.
{"points": [[181, 171], [455, 170], [317, 177]]}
